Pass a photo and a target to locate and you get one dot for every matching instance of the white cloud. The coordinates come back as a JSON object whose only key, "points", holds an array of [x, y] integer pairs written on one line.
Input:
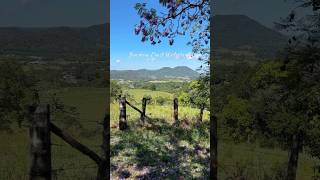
{"points": [[118, 61]]}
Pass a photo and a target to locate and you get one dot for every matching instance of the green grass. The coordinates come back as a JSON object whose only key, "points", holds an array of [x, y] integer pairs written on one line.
{"points": [[139, 93], [160, 149], [67, 163], [155, 150]]}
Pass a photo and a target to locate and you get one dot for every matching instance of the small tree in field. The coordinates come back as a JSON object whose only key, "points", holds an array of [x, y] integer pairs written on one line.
{"points": [[116, 91], [285, 93], [160, 100], [238, 119], [287, 109], [301, 94], [184, 98], [16, 89], [199, 95]]}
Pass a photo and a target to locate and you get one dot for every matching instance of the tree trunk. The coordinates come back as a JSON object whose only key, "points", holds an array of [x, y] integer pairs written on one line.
{"points": [[295, 148], [201, 112], [40, 144], [175, 110], [143, 114], [123, 114]]}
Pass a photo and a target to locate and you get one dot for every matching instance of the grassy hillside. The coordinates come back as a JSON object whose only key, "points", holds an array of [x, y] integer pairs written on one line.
{"points": [[246, 36], [139, 93], [158, 148]]}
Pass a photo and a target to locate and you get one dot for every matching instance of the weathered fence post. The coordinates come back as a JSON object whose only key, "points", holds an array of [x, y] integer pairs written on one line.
{"points": [[214, 147], [175, 109], [143, 114], [123, 114], [103, 170], [40, 168], [201, 112], [296, 146]]}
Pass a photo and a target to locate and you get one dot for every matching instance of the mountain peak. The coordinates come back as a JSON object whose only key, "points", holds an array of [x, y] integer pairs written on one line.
{"points": [[234, 32], [182, 67]]}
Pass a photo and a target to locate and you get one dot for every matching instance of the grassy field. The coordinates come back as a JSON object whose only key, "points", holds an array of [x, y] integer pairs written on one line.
{"points": [[160, 149], [157, 150]]}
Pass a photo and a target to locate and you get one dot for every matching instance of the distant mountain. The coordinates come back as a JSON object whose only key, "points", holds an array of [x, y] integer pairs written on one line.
{"points": [[244, 35], [56, 42], [234, 34], [179, 72]]}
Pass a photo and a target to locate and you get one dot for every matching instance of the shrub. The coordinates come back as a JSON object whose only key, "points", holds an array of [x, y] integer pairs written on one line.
{"points": [[161, 100]]}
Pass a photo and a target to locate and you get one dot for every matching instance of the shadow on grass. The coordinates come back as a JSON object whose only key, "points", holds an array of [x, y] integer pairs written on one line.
{"points": [[161, 150]]}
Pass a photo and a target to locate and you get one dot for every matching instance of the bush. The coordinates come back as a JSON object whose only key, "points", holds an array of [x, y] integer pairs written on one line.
{"points": [[184, 99], [115, 91], [161, 100]]}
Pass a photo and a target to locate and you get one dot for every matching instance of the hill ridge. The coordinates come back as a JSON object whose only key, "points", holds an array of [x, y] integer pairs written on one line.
{"points": [[232, 32], [178, 72]]}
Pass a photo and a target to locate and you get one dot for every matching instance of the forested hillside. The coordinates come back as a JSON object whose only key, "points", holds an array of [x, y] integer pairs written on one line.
{"points": [[180, 72], [66, 43]]}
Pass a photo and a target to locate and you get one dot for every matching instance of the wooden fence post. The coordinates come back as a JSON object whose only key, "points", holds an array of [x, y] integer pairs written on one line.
{"points": [[202, 106], [295, 148], [103, 170], [40, 147], [175, 109], [123, 114], [214, 147], [143, 114]]}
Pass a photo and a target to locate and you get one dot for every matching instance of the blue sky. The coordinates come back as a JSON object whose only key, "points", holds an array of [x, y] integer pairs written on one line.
{"points": [[128, 52]]}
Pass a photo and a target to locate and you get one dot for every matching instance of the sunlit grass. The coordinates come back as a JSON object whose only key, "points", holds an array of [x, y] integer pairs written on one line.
{"points": [[138, 144]]}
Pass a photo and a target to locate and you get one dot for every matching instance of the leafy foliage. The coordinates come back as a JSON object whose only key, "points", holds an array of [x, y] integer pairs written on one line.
{"points": [[199, 93], [116, 91], [67, 116], [238, 119], [181, 16], [267, 74], [304, 27], [16, 91]]}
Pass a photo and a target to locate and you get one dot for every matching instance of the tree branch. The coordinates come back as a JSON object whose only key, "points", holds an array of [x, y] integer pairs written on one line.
{"points": [[185, 8]]}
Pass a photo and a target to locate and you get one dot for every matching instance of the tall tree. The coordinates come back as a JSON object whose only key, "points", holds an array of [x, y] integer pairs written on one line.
{"points": [[302, 62], [199, 93], [182, 17], [16, 87]]}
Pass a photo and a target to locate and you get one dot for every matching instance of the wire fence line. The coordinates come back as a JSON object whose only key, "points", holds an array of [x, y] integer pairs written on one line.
{"points": [[224, 167], [58, 170]]}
